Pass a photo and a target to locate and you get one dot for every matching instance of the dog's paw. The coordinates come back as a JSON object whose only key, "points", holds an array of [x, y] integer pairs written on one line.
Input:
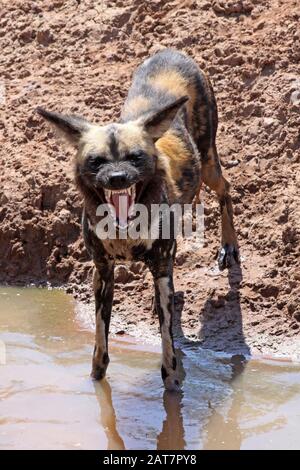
{"points": [[98, 371], [99, 364], [228, 256]]}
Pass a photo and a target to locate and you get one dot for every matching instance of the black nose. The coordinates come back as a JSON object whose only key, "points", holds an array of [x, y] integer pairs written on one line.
{"points": [[118, 180]]}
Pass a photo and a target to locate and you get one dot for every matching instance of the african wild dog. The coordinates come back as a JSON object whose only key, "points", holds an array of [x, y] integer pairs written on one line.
{"points": [[160, 151]]}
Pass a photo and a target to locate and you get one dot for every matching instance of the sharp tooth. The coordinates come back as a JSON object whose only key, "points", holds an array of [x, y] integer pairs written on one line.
{"points": [[132, 190]]}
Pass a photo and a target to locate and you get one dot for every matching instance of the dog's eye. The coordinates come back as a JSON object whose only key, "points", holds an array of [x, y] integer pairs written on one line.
{"points": [[96, 161], [135, 157]]}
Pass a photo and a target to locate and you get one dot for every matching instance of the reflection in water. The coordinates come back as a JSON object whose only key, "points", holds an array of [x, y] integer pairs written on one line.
{"points": [[49, 401], [221, 433], [262, 411], [172, 434], [225, 435], [108, 415]]}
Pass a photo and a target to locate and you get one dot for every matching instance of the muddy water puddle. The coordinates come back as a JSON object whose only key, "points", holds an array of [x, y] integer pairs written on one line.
{"points": [[48, 401]]}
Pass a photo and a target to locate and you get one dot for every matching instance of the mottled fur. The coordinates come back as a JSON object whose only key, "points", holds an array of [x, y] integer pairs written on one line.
{"points": [[164, 144]]}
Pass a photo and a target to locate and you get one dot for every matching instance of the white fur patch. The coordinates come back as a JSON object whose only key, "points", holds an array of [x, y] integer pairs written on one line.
{"points": [[100, 335]]}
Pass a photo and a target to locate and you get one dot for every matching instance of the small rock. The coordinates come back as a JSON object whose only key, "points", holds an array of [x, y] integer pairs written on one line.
{"points": [[27, 36], [122, 275], [268, 122], [137, 268], [269, 291], [296, 316], [234, 60], [260, 25], [44, 37], [181, 259], [295, 98]]}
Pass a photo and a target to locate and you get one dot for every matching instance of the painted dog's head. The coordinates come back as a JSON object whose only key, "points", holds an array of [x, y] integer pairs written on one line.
{"points": [[116, 161]]}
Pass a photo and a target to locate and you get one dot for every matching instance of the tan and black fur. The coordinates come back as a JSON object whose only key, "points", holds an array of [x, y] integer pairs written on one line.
{"points": [[164, 144]]}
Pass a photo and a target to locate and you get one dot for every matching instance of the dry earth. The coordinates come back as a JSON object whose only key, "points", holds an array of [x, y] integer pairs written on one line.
{"points": [[78, 56]]}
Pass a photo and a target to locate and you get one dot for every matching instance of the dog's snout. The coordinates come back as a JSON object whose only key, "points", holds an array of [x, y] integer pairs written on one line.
{"points": [[118, 180]]}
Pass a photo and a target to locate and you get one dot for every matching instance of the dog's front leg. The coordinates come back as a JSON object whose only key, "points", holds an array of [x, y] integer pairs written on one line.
{"points": [[164, 305], [103, 283]]}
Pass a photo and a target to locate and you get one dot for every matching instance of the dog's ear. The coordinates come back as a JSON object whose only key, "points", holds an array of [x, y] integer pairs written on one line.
{"points": [[158, 122], [70, 127]]}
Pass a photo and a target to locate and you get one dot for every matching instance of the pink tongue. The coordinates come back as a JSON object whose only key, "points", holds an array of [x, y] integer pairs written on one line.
{"points": [[121, 203]]}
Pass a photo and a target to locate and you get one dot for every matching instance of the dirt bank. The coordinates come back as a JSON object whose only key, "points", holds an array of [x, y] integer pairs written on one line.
{"points": [[77, 57]]}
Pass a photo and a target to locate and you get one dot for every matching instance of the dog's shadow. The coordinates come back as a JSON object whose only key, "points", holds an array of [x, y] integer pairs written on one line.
{"points": [[221, 323]]}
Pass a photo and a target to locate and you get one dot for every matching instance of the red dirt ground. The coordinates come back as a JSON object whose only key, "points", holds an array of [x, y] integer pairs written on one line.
{"points": [[78, 56]]}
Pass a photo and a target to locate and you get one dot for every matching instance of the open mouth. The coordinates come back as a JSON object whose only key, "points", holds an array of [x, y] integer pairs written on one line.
{"points": [[121, 203]]}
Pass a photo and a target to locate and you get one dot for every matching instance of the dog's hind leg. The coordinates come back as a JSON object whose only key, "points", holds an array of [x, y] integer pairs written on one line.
{"points": [[212, 176], [103, 283]]}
